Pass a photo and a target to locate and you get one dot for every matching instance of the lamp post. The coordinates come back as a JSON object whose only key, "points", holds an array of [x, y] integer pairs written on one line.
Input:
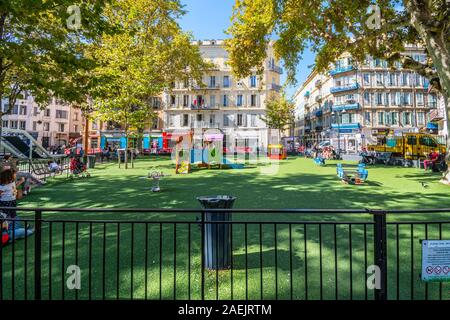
{"points": [[337, 114]]}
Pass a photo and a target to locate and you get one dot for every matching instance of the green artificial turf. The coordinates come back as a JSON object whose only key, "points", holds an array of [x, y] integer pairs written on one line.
{"points": [[266, 266]]}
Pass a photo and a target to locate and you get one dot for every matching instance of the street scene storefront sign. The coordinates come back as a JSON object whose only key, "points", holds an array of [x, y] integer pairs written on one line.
{"points": [[436, 260]]}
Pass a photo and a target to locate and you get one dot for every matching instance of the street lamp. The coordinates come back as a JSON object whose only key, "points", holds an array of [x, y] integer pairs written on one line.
{"points": [[337, 115]]}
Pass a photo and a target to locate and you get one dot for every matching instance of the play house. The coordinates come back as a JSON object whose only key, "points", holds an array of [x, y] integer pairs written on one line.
{"points": [[276, 152]]}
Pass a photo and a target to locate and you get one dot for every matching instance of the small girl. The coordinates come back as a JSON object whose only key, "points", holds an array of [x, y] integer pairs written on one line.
{"points": [[8, 194], [8, 191]]}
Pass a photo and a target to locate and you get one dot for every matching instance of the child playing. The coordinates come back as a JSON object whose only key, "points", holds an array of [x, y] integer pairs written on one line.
{"points": [[53, 167], [8, 194], [78, 168]]}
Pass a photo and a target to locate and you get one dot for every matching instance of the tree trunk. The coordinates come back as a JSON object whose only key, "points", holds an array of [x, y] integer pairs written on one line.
{"points": [[438, 48], [126, 149], [86, 139]]}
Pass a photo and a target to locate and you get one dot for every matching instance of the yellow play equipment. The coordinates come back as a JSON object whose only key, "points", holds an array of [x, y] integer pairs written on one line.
{"points": [[276, 152]]}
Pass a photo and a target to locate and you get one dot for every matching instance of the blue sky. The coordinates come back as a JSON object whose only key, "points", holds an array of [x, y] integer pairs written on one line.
{"points": [[208, 19]]}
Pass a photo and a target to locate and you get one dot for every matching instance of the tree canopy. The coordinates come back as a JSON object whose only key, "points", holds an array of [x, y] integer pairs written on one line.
{"points": [[42, 45], [143, 60], [279, 112], [379, 28]]}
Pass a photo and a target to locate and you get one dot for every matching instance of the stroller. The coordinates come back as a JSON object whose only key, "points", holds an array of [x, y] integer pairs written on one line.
{"points": [[78, 168]]}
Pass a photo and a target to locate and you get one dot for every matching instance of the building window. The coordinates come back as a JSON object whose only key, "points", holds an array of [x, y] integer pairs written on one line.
{"points": [[61, 127], [253, 81], [406, 118], [253, 100], [22, 125], [185, 120], [172, 100], [61, 114], [212, 81], [367, 117], [239, 120], [75, 128], [419, 98], [47, 112], [46, 126], [366, 78], [5, 123], [171, 120], [23, 110], [35, 111], [185, 100], [421, 118], [379, 99], [253, 120], [225, 100], [226, 81], [226, 120], [394, 118], [239, 100], [212, 119], [15, 110], [13, 125], [366, 98], [380, 118], [76, 116], [212, 101]]}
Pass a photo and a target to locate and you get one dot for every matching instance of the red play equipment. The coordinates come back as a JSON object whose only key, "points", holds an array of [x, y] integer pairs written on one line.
{"points": [[276, 152]]}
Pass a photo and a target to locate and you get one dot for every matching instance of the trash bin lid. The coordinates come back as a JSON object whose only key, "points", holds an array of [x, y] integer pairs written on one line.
{"points": [[218, 201]]}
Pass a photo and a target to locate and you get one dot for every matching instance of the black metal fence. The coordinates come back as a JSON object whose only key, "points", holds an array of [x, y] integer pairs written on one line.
{"points": [[276, 254]]}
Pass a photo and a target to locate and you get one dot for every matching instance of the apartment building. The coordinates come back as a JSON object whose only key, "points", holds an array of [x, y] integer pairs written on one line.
{"points": [[53, 125], [359, 102], [231, 106]]}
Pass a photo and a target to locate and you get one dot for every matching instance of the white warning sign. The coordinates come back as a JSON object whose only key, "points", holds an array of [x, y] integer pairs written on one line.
{"points": [[436, 260]]}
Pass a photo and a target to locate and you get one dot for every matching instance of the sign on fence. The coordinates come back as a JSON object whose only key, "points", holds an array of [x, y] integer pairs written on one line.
{"points": [[436, 260]]}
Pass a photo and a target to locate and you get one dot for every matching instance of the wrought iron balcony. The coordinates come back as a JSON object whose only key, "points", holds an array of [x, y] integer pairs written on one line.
{"points": [[342, 70], [275, 68], [275, 87], [205, 107], [350, 87], [342, 107]]}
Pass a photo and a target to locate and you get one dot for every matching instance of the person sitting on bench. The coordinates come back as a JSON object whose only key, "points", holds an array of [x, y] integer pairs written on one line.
{"points": [[432, 158]]}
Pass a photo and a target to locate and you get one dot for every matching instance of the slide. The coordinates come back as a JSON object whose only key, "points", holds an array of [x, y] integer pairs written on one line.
{"points": [[233, 165], [20, 145], [20, 140]]}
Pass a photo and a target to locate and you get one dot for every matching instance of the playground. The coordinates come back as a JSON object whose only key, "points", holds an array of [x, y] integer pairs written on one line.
{"points": [[148, 262], [299, 183]]}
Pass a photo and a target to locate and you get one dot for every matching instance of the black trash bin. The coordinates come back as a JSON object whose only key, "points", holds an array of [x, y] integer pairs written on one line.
{"points": [[91, 161], [217, 246]]}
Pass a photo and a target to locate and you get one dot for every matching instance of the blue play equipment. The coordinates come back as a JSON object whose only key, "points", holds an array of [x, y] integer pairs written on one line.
{"points": [[202, 156], [319, 161], [359, 174], [233, 165]]}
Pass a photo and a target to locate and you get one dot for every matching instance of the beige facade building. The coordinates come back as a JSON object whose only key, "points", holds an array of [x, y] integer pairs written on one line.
{"points": [[232, 106]]}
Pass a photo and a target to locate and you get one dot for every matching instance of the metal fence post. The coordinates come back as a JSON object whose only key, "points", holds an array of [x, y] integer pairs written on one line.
{"points": [[203, 254], [380, 252], [37, 254]]}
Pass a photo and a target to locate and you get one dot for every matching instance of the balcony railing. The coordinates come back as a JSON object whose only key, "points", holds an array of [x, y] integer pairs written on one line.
{"points": [[204, 124], [205, 107], [342, 107], [436, 115], [275, 68], [346, 126], [342, 70], [349, 87], [275, 87]]}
